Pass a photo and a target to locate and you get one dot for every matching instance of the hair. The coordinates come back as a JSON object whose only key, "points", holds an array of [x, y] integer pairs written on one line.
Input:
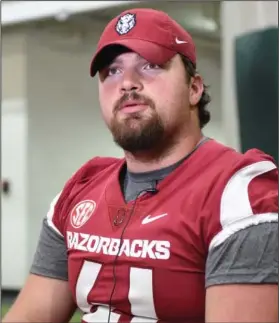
{"points": [[204, 114]]}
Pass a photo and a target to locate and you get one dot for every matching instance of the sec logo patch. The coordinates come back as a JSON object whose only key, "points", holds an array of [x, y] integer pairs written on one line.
{"points": [[82, 212]]}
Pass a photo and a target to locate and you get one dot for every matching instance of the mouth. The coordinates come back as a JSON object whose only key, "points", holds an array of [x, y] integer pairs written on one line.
{"points": [[133, 106]]}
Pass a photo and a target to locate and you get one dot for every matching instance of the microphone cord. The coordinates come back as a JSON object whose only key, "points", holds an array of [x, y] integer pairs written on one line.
{"points": [[151, 190]]}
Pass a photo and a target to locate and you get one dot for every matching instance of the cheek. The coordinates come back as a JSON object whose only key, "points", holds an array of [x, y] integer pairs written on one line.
{"points": [[178, 97], [170, 96], [106, 103], [172, 102]]}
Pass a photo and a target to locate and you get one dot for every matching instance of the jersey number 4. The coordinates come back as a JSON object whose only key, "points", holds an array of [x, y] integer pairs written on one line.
{"points": [[140, 295]]}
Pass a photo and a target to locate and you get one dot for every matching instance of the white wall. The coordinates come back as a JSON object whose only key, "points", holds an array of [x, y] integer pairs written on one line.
{"points": [[13, 64], [14, 142], [14, 230], [209, 67]]}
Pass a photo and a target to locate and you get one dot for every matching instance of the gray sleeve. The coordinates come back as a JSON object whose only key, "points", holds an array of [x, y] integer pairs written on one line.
{"points": [[50, 258], [248, 256]]}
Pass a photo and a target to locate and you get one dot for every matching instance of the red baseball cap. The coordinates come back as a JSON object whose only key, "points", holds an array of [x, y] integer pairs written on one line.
{"points": [[152, 34]]}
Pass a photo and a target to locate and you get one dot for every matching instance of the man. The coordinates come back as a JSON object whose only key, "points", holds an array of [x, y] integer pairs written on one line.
{"points": [[181, 229]]}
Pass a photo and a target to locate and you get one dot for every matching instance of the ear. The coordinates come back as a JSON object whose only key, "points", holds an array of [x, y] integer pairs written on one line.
{"points": [[196, 89]]}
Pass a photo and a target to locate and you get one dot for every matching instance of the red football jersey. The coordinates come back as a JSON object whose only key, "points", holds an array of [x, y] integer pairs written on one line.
{"points": [[148, 259]]}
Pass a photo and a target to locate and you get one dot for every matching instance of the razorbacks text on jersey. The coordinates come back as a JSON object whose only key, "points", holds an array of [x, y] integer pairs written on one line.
{"points": [[146, 259]]}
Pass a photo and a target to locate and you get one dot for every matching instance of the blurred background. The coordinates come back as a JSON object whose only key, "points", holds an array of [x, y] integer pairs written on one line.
{"points": [[51, 123]]}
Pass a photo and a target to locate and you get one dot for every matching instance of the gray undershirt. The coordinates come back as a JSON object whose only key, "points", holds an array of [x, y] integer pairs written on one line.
{"points": [[230, 262]]}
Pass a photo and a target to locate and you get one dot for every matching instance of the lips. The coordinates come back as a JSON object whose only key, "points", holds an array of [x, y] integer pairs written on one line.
{"points": [[132, 106]]}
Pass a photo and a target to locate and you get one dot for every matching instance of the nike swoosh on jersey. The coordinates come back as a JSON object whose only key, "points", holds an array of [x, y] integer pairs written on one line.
{"points": [[150, 218]]}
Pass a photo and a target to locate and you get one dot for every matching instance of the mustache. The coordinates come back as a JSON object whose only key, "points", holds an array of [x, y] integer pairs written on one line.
{"points": [[133, 96]]}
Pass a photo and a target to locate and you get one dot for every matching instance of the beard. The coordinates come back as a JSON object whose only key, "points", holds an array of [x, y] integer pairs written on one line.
{"points": [[137, 132]]}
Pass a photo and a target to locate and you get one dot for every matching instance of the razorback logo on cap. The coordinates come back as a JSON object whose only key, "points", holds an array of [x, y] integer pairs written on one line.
{"points": [[125, 23]]}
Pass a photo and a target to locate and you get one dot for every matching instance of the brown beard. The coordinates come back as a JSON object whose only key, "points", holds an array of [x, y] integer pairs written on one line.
{"points": [[137, 133]]}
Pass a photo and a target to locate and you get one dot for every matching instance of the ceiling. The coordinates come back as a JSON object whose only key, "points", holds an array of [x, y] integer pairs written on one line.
{"points": [[200, 17], [197, 16]]}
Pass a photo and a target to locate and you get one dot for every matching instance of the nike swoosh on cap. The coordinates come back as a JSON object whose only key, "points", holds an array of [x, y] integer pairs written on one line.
{"points": [[178, 41]]}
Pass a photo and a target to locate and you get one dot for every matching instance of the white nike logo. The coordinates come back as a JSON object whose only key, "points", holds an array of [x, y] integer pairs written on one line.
{"points": [[149, 218], [180, 41]]}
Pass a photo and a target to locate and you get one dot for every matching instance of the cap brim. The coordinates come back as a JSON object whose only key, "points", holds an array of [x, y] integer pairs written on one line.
{"points": [[152, 52]]}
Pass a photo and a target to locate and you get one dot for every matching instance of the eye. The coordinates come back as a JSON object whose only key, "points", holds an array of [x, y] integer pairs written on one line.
{"points": [[151, 66], [112, 71]]}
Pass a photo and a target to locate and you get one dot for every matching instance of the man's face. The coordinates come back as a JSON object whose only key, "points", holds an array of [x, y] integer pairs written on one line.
{"points": [[144, 104]]}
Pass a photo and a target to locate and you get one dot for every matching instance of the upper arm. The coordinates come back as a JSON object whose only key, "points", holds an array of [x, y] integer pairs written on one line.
{"points": [[46, 296], [245, 303], [242, 263], [242, 277], [42, 299]]}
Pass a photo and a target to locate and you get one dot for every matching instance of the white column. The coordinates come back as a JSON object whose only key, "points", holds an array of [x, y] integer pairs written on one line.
{"points": [[239, 17], [14, 216]]}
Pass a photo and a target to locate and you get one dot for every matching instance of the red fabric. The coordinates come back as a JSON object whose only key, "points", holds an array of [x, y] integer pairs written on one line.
{"points": [[155, 36], [168, 254]]}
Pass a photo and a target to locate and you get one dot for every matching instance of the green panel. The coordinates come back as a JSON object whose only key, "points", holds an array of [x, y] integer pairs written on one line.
{"points": [[256, 58]]}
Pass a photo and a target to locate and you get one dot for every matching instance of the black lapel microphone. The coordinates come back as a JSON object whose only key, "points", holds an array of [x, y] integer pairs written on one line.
{"points": [[121, 213], [152, 190]]}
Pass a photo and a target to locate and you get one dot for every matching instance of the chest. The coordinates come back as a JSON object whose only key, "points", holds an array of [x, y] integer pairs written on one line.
{"points": [[146, 260]]}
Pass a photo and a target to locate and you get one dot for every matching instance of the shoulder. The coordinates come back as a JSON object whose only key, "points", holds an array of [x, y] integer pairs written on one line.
{"points": [[232, 170], [88, 171], [94, 166], [91, 169], [244, 178], [244, 192], [245, 181], [226, 160]]}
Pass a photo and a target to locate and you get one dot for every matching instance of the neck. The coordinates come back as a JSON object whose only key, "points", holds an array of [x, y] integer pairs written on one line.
{"points": [[152, 160]]}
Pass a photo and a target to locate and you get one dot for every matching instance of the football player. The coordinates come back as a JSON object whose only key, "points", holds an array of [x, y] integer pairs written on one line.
{"points": [[183, 229]]}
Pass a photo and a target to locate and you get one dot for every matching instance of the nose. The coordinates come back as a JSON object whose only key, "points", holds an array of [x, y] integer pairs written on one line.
{"points": [[131, 82]]}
